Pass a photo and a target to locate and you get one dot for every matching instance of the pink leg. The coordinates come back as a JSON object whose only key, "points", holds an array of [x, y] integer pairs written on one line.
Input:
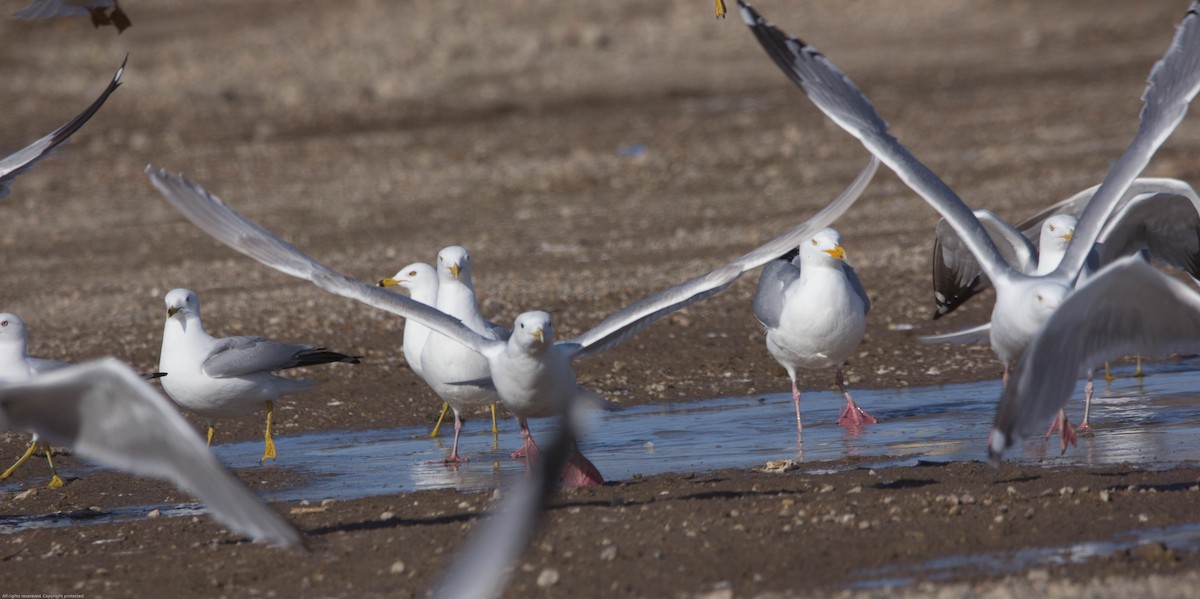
{"points": [[1068, 434], [852, 415], [529, 450], [580, 472], [454, 457], [1084, 429], [1004, 377], [1056, 425], [796, 402]]}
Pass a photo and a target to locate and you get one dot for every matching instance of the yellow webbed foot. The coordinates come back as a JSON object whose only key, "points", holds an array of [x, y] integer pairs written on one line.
{"points": [[212, 430], [56, 482], [720, 9]]}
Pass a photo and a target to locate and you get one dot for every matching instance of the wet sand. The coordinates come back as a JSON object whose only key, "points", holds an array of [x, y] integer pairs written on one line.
{"points": [[588, 155]]}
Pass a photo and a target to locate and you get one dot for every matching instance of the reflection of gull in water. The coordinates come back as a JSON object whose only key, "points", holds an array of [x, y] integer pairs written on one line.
{"points": [[1023, 302], [97, 9], [531, 372], [105, 412], [22, 160]]}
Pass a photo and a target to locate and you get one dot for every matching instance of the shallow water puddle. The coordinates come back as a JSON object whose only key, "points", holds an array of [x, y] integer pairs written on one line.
{"points": [[1153, 422]]}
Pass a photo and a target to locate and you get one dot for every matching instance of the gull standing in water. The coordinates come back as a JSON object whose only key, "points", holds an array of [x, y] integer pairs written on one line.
{"points": [[22, 160], [104, 412], [423, 282], [230, 376], [814, 308], [531, 372], [1024, 302]]}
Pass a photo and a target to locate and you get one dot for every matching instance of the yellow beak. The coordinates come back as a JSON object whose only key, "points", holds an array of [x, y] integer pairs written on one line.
{"points": [[1068, 236], [454, 270], [837, 252], [172, 311], [537, 334], [388, 282]]}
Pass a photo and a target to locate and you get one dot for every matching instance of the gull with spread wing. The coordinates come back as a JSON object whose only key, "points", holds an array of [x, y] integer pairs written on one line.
{"points": [[22, 160], [1024, 302], [103, 411], [531, 372]]}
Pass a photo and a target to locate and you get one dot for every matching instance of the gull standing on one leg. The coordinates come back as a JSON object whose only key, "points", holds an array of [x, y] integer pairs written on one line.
{"points": [[814, 308], [230, 376]]}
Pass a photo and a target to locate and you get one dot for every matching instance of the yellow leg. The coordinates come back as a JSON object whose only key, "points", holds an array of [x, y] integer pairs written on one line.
{"points": [[1108, 377], [25, 456], [56, 482], [495, 429], [1138, 373], [212, 430], [438, 427], [269, 443], [720, 9]]}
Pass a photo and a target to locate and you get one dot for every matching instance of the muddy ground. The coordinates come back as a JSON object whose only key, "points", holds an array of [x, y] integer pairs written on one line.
{"points": [[588, 154]]}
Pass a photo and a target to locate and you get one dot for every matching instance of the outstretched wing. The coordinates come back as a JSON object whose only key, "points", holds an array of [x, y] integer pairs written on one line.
{"points": [[1173, 82], [768, 302], [842, 102], [625, 323], [105, 412], [22, 160], [957, 276], [1165, 224], [1129, 307], [240, 233]]}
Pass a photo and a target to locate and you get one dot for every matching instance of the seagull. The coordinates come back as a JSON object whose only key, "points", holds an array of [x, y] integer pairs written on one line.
{"points": [[1157, 216], [422, 282], [531, 368], [22, 160], [103, 411], [1160, 215], [97, 9], [1024, 302], [230, 376], [17, 366], [1129, 307], [814, 308]]}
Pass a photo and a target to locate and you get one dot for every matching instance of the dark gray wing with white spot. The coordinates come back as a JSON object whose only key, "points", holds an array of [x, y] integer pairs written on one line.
{"points": [[957, 276]]}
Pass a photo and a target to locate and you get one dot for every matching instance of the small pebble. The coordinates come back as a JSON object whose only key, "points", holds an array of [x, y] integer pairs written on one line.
{"points": [[609, 554], [398, 567], [154, 514], [387, 516], [548, 578]]}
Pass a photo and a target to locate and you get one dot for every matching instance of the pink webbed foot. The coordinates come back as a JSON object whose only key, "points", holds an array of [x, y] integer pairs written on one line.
{"points": [[1056, 425], [517, 454], [852, 415], [455, 459], [580, 472], [1067, 435], [1084, 430]]}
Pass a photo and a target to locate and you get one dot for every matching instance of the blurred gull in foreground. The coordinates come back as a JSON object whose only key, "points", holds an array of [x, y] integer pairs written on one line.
{"points": [[103, 411]]}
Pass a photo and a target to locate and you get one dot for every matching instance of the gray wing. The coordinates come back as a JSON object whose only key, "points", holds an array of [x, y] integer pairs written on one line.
{"points": [[1165, 224], [772, 283], [625, 323], [857, 285], [843, 103], [501, 332], [978, 335], [1127, 308], [241, 356], [236, 231], [22, 160], [104, 412], [957, 276], [1173, 82]]}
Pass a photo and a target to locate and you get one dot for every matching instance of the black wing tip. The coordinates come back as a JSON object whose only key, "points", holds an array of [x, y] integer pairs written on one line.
{"points": [[756, 22]]}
